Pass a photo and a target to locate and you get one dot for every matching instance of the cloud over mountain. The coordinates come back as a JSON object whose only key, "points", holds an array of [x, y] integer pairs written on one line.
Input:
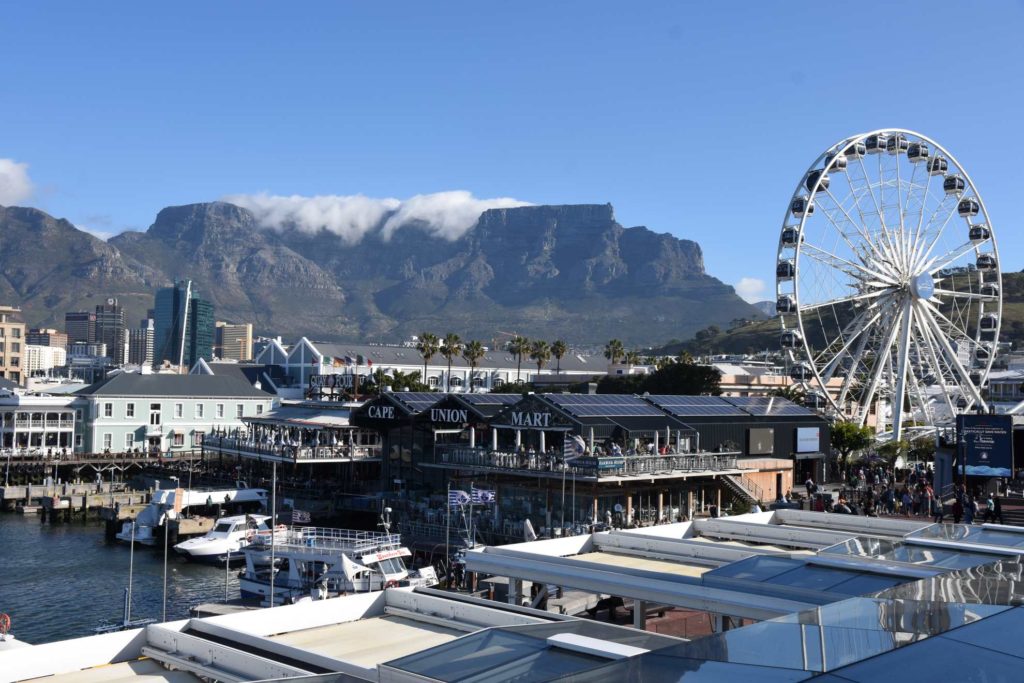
{"points": [[15, 185], [444, 214]]}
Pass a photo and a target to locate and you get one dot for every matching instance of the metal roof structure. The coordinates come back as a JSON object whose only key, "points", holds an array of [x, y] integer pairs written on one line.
{"points": [[173, 386]]}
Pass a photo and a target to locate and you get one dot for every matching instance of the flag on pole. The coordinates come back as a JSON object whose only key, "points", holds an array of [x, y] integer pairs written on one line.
{"points": [[482, 496], [573, 447], [457, 498]]}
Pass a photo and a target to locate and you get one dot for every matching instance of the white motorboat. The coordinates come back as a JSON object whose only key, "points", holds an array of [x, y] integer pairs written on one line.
{"points": [[173, 505], [224, 542], [322, 562]]}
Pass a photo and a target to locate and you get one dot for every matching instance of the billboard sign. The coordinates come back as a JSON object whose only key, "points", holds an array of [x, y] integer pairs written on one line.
{"points": [[986, 442], [808, 439]]}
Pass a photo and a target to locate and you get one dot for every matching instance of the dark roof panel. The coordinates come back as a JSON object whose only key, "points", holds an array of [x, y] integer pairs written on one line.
{"points": [[179, 386]]}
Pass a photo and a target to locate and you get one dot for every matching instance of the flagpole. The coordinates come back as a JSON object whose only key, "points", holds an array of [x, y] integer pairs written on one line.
{"points": [[472, 527], [448, 530]]}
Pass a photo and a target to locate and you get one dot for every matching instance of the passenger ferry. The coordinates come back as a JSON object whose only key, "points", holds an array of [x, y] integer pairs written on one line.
{"points": [[320, 562]]}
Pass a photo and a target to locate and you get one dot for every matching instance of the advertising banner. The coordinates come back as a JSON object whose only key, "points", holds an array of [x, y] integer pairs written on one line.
{"points": [[808, 439], [986, 444]]}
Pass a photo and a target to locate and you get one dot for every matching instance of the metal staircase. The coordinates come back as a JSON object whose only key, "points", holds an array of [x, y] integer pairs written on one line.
{"points": [[743, 488]]}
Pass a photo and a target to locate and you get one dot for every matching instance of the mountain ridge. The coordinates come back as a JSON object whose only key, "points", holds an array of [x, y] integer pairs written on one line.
{"points": [[569, 271]]}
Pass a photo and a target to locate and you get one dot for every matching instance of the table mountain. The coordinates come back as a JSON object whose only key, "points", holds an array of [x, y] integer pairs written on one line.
{"points": [[542, 271]]}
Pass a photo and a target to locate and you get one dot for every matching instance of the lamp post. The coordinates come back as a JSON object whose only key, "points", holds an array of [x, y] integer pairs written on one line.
{"points": [[167, 529]]}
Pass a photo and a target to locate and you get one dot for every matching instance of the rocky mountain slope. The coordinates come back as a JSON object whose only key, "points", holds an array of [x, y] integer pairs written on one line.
{"points": [[543, 271]]}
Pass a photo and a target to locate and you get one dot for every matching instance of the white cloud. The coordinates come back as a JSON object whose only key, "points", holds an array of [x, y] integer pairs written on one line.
{"points": [[15, 185], [99, 234], [750, 289], [448, 215]]}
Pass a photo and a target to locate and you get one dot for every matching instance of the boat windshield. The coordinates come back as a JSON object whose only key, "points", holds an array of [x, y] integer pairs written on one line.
{"points": [[391, 566], [223, 527]]}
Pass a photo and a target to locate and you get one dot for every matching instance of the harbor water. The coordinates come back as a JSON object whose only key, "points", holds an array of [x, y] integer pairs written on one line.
{"points": [[61, 581]]}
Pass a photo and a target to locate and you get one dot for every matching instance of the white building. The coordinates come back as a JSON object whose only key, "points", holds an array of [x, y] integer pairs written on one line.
{"points": [[43, 358]]}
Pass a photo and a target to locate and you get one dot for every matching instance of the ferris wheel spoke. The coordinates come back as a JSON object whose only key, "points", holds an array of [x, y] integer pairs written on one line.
{"points": [[841, 300], [862, 327], [829, 259], [950, 355], [882, 358], [938, 233], [936, 365], [941, 317], [860, 227], [962, 295], [937, 263]]}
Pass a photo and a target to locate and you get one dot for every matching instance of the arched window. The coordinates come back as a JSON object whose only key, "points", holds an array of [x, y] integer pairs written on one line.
{"points": [[432, 381], [455, 382]]}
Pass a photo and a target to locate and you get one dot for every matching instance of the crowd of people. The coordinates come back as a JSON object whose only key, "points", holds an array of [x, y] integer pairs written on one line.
{"points": [[875, 491]]}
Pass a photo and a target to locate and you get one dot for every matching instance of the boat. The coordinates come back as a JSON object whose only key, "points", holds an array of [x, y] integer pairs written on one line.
{"points": [[191, 512], [224, 542], [322, 562]]}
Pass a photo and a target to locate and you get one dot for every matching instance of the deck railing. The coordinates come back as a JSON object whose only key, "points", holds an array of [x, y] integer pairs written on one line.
{"points": [[351, 542], [243, 446], [459, 456]]}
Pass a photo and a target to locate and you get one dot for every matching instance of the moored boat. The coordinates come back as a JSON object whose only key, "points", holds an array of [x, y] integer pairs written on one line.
{"points": [[225, 541], [191, 512]]}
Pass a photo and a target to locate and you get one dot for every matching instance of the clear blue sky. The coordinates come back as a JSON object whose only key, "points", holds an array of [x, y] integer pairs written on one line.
{"points": [[692, 118]]}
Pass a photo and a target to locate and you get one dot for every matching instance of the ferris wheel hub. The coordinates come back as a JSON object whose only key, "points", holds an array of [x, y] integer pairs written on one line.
{"points": [[923, 286]]}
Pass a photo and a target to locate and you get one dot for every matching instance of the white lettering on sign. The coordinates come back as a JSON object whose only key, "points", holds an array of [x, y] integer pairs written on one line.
{"points": [[381, 412], [449, 415], [531, 419], [385, 555]]}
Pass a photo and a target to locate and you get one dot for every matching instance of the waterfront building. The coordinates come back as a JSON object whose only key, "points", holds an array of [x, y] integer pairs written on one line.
{"points": [[184, 325], [140, 343], [80, 326], [162, 412], [43, 359], [36, 422], [12, 338], [233, 342], [306, 360], [46, 337], [110, 330]]}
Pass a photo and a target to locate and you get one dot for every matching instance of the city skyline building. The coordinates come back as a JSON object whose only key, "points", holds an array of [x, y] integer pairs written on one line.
{"points": [[12, 337], [46, 336], [184, 325], [110, 329], [80, 326], [233, 341], [140, 343]]}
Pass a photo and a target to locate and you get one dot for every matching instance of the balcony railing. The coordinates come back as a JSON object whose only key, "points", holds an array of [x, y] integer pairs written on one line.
{"points": [[38, 424], [243, 446], [466, 457]]}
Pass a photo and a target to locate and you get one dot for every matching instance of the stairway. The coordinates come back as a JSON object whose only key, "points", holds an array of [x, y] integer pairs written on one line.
{"points": [[742, 488]]}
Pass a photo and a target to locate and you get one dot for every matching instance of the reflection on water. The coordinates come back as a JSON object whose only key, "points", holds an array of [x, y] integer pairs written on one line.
{"points": [[61, 581]]}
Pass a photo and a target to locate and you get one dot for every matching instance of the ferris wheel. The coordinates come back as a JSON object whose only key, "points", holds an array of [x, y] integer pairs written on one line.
{"points": [[888, 284]]}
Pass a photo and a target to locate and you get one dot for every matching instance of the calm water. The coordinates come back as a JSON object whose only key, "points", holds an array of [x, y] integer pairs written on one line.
{"points": [[60, 581]]}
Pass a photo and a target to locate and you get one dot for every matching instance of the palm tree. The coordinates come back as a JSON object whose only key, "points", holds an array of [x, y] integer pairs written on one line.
{"points": [[451, 346], [517, 346], [614, 350], [558, 349], [685, 357], [472, 353], [428, 347], [540, 352], [632, 358]]}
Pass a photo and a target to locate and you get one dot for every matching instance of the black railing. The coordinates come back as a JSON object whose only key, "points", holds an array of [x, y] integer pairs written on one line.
{"points": [[475, 457], [244, 446]]}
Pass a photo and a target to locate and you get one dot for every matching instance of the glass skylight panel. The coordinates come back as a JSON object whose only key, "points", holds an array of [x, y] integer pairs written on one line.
{"points": [[937, 659], [756, 568], [970, 534]]}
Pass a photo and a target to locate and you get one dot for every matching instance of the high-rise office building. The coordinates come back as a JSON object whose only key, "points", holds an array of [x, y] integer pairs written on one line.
{"points": [[46, 336], [110, 329], [80, 326], [140, 343], [184, 325], [233, 342], [12, 338]]}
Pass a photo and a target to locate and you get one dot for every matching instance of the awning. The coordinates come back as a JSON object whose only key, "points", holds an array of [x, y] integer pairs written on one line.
{"points": [[808, 456], [645, 426], [302, 417]]}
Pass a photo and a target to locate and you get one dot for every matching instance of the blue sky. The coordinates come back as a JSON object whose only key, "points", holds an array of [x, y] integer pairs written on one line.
{"points": [[691, 118]]}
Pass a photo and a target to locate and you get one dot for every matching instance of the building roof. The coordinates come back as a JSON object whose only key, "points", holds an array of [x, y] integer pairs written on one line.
{"points": [[247, 372], [8, 384], [495, 358], [177, 386]]}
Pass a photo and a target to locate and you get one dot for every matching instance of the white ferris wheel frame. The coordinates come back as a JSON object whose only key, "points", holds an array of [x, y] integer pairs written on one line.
{"points": [[929, 330]]}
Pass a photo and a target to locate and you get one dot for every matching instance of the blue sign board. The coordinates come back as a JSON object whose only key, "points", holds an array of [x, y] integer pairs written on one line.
{"points": [[986, 444]]}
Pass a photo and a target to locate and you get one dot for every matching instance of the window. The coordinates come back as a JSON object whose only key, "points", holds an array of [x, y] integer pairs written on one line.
{"points": [[179, 410], [129, 440], [15, 347], [78, 440], [259, 408], [199, 410], [220, 410], [108, 440], [108, 410], [239, 410], [78, 415], [15, 361], [178, 440], [197, 438], [16, 333], [432, 381], [129, 410], [2, 345]]}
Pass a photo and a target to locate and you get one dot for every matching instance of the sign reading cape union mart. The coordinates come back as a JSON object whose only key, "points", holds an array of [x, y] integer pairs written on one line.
{"points": [[987, 444]]}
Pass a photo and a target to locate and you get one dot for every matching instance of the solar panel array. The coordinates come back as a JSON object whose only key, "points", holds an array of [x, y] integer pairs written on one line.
{"points": [[416, 401], [603, 405], [491, 399], [696, 406], [759, 405]]}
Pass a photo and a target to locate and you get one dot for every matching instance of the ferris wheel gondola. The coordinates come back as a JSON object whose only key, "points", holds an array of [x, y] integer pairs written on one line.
{"points": [[888, 283]]}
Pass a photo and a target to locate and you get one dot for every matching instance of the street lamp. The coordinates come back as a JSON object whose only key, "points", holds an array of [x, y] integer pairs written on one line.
{"points": [[167, 529]]}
